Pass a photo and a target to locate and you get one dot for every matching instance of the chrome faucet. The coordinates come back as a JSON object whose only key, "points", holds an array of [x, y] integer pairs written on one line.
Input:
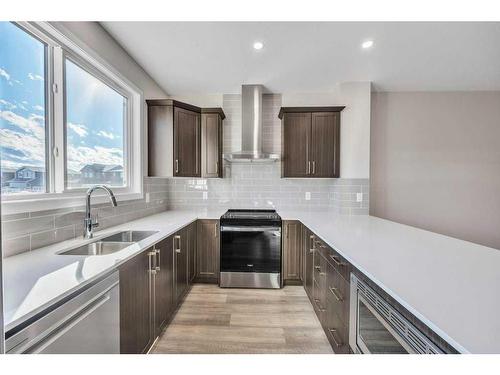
{"points": [[88, 223]]}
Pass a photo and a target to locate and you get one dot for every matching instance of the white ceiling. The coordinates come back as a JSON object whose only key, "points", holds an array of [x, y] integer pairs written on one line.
{"points": [[199, 58]]}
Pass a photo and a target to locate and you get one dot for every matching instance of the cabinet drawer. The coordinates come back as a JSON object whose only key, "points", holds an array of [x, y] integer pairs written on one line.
{"points": [[337, 291], [334, 258], [319, 273], [319, 301], [336, 331]]}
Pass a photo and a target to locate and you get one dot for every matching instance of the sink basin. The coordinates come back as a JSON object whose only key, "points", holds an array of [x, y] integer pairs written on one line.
{"points": [[98, 248], [129, 236]]}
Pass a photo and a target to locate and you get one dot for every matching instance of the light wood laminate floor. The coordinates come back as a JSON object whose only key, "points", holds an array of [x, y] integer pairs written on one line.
{"points": [[215, 320]]}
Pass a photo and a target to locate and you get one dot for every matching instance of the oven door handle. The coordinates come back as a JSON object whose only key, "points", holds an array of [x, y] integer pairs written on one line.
{"points": [[250, 229]]}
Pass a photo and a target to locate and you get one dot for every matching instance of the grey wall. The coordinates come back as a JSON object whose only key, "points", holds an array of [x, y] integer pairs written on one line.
{"points": [[435, 162]]}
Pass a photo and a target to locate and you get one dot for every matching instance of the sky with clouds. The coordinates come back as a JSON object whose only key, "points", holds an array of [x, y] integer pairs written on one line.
{"points": [[95, 113]]}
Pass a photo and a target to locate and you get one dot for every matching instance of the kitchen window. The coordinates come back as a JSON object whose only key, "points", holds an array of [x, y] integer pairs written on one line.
{"points": [[95, 128], [23, 118], [67, 121]]}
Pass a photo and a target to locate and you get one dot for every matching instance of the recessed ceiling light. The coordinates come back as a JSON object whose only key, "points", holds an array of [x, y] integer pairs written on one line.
{"points": [[367, 44], [258, 45]]}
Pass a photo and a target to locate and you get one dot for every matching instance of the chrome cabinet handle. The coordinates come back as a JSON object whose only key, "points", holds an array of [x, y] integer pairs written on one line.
{"points": [[317, 268], [217, 167], [314, 167], [336, 260], [317, 301], [308, 167], [176, 165], [152, 262], [158, 260], [177, 248], [333, 332], [336, 294], [215, 230]]}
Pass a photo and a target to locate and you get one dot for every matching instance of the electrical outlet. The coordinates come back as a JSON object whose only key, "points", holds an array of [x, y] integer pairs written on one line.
{"points": [[205, 195], [308, 195], [359, 197], [147, 198]]}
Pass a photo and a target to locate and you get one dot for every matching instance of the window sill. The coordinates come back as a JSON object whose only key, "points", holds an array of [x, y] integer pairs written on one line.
{"points": [[57, 201]]}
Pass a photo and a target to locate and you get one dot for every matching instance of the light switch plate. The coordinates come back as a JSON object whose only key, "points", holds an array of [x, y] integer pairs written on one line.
{"points": [[308, 195], [359, 197]]}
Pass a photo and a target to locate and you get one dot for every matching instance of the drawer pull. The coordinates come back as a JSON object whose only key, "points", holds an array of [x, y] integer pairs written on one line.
{"points": [[336, 294], [336, 260], [337, 341], [319, 306]]}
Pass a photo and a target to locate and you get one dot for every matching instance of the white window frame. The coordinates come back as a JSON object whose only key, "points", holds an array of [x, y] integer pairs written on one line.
{"points": [[59, 47]]}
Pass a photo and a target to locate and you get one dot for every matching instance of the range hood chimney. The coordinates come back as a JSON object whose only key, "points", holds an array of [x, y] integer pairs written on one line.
{"points": [[251, 128]]}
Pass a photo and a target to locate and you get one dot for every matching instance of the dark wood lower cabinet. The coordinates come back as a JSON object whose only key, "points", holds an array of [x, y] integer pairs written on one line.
{"points": [[207, 249], [164, 280], [152, 285], [181, 279], [328, 289], [135, 304], [292, 252], [308, 256]]}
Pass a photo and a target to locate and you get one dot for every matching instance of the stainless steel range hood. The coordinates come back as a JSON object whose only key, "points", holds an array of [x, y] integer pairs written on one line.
{"points": [[251, 128]]}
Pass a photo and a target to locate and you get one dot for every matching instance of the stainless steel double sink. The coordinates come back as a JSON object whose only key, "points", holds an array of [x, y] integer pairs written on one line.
{"points": [[110, 244]]}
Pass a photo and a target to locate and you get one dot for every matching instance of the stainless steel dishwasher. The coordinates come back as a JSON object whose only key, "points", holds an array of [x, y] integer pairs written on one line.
{"points": [[86, 322]]}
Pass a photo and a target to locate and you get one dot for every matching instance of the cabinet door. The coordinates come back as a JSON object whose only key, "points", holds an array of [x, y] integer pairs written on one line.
{"points": [[180, 265], [296, 133], [292, 251], [207, 266], [308, 261], [135, 304], [325, 144], [192, 252], [164, 282], [186, 143], [211, 134]]}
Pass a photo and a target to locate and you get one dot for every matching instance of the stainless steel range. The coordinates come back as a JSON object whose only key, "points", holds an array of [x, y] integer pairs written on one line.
{"points": [[250, 249]]}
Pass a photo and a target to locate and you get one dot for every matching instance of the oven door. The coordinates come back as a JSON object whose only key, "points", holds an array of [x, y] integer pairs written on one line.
{"points": [[374, 334], [250, 249], [377, 327]]}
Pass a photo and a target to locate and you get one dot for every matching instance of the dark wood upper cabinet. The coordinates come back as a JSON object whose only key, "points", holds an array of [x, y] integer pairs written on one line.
{"points": [[187, 141], [325, 144], [296, 133], [184, 140], [310, 141], [211, 143]]}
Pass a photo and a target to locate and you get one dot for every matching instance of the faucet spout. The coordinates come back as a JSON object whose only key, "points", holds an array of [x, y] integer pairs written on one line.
{"points": [[89, 224]]}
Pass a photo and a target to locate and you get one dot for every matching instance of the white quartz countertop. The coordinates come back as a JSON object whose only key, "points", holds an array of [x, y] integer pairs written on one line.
{"points": [[449, 284]]}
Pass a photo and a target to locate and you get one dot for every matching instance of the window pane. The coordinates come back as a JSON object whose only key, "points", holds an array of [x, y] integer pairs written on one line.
{"points": [[95, 123], [22, 111]]}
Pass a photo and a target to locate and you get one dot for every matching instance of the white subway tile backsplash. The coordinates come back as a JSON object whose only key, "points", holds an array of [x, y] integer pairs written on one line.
{"points": [[31, 230]]}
